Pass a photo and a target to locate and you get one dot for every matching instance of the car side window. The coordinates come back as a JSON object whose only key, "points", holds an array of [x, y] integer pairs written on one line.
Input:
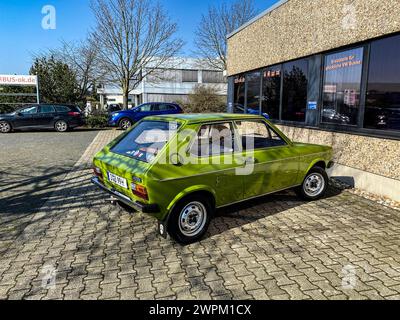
{"points": [[47, 109], [166, 107], [258, 135], [30, 110], [155, 107], [62, 109], [145, 108], [213, 140]]}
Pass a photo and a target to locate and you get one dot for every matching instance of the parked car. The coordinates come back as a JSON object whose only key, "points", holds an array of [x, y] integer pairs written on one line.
{"points": [[43, 116], [180, 169], [332, 116], [113, 108], [126, 118]]}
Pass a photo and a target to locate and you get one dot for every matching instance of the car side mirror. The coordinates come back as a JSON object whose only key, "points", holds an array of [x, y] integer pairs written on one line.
{"points": [[19, 114]]}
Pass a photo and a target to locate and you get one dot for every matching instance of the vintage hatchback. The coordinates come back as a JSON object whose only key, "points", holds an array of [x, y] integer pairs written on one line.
{"points": [[179, 169]]}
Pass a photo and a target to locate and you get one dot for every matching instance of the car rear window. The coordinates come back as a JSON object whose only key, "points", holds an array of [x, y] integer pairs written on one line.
{"points": [[146, 140], [75, 109]]}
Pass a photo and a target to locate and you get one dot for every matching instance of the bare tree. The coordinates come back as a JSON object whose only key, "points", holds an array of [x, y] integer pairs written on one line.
{"points": [[82, 58], [134, 37], [214, 27]]}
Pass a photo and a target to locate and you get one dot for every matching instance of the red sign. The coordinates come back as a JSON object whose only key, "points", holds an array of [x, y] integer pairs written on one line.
{"points": [[18, 80]]}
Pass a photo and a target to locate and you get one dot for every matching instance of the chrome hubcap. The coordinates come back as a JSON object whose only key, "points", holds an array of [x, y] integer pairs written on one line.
{"points": [[4, 127], [61, 126], [314, 185], [192, 219], [126, 124]]}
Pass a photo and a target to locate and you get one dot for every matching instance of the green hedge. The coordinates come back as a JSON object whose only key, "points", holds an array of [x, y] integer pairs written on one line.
{"points": [[97, 121]]}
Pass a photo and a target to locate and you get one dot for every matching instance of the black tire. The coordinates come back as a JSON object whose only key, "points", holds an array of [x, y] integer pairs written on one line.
{"points": [[61, 126], [194, 204], [314, 185], [5, 127], [125, 124]]}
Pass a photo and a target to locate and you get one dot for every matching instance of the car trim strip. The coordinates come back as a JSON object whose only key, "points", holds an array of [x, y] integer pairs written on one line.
{"points": [[223, 170], [259, 196]]}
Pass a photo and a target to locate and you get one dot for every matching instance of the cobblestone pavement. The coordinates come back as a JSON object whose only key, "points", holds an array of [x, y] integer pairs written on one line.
{"points": [[31, 165], [79, 247]]}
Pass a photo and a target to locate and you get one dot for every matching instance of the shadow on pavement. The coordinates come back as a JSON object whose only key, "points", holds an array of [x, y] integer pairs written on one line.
{"points": [[244, 213]]}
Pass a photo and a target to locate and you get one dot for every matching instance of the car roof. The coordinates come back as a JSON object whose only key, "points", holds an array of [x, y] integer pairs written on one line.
{"points": [[205, 117], [174, 103]]}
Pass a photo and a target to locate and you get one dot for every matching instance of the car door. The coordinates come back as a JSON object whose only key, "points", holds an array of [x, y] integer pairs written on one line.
{"points": [[24, 118], [212, 163], [166, 108], [271, 162], [45, 116], [143, 111]]}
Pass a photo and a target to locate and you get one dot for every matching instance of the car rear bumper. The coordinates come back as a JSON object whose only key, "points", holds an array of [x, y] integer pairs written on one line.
{"points": [[150, 209], [76, 123]]}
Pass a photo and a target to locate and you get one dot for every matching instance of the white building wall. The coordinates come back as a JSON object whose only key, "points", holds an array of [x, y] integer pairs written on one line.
{"points": [[167, 87]]}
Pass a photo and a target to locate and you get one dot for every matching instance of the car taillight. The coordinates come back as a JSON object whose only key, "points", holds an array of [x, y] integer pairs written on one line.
{"points": [[97, 172], [74, 114], [140, 191]]}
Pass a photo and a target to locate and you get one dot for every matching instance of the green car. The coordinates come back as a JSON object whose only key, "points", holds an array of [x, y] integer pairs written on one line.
{"points": [[179, 169]]}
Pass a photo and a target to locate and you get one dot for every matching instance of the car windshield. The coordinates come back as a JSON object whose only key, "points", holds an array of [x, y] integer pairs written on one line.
{"points": [[146, 140]]}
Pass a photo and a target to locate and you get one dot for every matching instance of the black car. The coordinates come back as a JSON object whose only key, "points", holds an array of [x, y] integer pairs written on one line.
{"points": [[43, 116], [113, 108]]}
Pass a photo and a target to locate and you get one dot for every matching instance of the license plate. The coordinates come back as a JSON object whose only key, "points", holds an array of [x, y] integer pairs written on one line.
{"points": [[113, 178]]}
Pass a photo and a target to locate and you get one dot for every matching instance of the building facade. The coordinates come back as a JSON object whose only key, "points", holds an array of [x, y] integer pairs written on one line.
{"points": [[172, 82], [327, 72]]}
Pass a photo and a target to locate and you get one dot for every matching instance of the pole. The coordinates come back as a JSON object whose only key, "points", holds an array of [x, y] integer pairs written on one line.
{"points": [[37, 90]]}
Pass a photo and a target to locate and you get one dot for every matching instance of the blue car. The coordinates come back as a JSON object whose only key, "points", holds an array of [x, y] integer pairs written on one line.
{"points": [[126, 118]]}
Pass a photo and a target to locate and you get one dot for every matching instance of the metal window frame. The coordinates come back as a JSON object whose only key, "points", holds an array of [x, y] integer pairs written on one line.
{"points": [[280, 66], [364, 73]]}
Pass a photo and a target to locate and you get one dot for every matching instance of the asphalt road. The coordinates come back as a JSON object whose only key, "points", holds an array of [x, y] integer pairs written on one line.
{"points": [[31, 166]]}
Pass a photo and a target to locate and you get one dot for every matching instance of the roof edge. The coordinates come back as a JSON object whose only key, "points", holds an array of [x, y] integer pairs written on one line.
{"points": [[258, 17]]}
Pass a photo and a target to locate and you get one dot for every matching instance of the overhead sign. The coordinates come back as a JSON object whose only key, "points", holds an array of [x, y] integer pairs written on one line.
{"points": [[18, 80]]}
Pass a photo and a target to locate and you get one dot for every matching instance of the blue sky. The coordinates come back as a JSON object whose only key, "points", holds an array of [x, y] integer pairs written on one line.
{"points": [[21, 33]]}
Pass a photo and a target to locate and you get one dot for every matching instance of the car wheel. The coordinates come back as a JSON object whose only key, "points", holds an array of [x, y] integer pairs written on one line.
{"points": [[5, 127], [125, 124], [190, 219], [314, 185], [61, 126]]}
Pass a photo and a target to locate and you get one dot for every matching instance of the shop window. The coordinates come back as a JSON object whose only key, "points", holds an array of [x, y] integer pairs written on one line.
{"points": [[295, 83], [239, 94], [383, 94], [253, 92], [342, 87], [270, 100]]}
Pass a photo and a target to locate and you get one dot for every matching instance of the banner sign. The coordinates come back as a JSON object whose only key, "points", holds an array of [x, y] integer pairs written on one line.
{"points": [[18, 80]]}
